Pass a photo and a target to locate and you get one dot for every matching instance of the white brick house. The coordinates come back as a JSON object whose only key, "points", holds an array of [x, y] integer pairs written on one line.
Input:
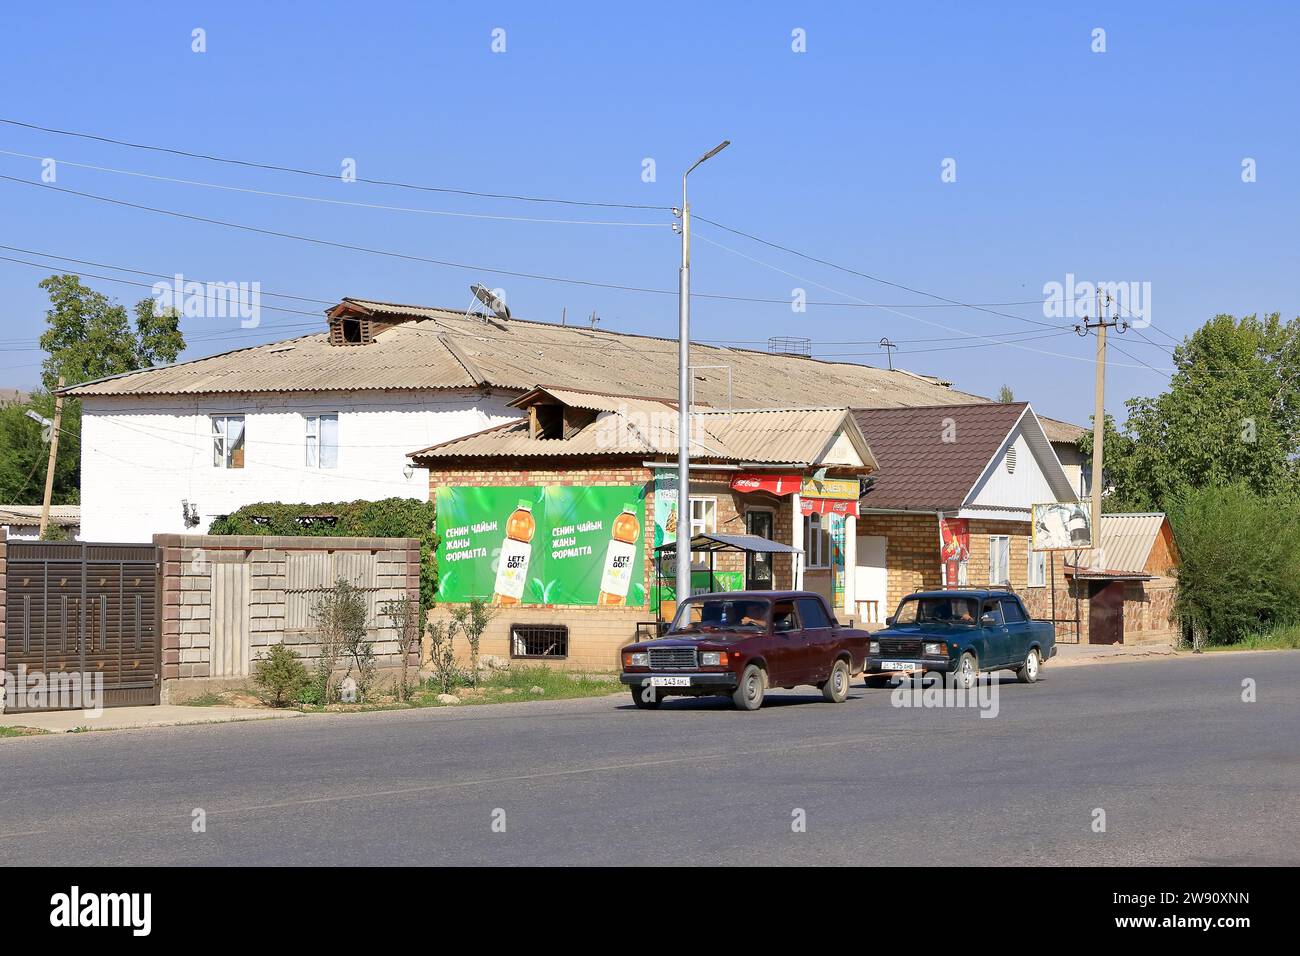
{"points": [[332, 416]]}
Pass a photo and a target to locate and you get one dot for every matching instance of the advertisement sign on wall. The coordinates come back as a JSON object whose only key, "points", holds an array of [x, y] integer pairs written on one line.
{"points": [[529, 546], [954, 542], [1061, 526], [840, 489]]}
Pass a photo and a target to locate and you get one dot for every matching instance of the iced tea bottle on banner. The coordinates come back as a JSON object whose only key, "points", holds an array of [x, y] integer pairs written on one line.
{"points": [[620, 557], [512, 564]]}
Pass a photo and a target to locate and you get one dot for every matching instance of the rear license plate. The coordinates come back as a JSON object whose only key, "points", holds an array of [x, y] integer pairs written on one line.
{"points": [[899, 666], [670, 682]]}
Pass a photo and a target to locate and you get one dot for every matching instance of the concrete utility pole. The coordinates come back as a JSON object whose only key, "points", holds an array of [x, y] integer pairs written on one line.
{"points": [[1104, 321], [683, 549], [54, 454]]}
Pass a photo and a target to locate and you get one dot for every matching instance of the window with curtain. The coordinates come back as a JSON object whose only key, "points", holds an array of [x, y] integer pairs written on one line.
{"points": [[999, 559], [816, 541], [323, 440], [1037, 568]]}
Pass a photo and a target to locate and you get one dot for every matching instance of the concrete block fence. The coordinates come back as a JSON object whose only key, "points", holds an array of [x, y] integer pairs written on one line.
{"points": [[227, 599]]}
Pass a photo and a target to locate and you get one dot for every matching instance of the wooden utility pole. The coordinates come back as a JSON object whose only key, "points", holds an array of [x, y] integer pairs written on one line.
{"points": [[54, 454], [1104, 321]]}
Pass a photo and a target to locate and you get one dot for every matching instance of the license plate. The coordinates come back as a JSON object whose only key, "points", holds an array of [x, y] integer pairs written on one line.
{"points": [[670, 682], [899, 666]]}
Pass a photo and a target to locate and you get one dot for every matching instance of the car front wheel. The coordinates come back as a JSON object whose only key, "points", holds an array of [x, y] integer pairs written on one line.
{"points": [[646, 698], [968, 671], [1028, 673], [836, 688], [748, 694]]}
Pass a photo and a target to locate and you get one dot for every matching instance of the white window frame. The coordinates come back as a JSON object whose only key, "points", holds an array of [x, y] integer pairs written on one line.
{"points": [[312, 424], [707, 524], [816, 542], [1036, 572], [221, 440], [1003, 544]]}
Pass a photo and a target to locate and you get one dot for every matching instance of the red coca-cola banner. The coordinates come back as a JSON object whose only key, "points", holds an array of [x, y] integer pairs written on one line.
{"points": [[773, 484], [827, 506]]}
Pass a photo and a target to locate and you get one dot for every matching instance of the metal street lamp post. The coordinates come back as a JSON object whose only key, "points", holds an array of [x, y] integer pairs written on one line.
{"points": [[683, 550]]}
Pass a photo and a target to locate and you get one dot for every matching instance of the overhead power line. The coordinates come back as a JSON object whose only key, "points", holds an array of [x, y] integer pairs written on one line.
{"points": [[339, 202], [330, 176]]}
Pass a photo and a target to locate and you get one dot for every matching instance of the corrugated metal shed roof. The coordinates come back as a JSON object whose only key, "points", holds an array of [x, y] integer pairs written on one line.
{"points": [[443, 348], [1126, 543]]}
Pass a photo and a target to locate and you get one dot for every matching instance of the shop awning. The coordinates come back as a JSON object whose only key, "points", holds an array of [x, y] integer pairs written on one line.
{"points": [[752, 543]]}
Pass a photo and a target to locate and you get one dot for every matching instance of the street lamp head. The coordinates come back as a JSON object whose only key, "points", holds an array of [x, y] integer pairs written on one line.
{"points": [[39, 419], [715, 150], [709, 155]]}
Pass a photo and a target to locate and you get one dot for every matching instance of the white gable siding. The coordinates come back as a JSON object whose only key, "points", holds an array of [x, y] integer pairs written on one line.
{"points": [[1027, 486], [141, 456]]}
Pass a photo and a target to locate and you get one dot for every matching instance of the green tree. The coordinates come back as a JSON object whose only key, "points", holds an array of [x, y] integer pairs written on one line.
{"points": [[1239, 571], [1231, 415], [24, 454], [88, 336], [1005, 395]]}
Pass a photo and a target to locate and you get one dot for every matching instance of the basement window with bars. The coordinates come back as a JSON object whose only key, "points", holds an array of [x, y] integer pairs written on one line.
{"points": [[539, 641]]}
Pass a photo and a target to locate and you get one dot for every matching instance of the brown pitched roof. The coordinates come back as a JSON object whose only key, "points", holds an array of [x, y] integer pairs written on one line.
{"points": [[921, 471]]}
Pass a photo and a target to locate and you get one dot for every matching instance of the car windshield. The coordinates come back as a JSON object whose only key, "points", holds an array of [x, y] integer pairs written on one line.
{"points": [[720, 614], [938, 610]]}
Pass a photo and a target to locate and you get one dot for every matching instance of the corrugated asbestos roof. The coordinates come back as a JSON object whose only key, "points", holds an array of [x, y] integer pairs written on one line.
{"points": [[25, 516], [442, 348], [1126, 543], [768, 436], [919, 468]]}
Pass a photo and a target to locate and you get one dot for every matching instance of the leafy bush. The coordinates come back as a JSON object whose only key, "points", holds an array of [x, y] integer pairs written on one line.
{"points": [[472, 620], [386, 518], [340, 617], [280, 674], [405, 615], [442, 656], [1239, 570]]}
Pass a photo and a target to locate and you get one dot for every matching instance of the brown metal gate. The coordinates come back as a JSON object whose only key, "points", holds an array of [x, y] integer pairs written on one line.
{"points": [[1106, 613], [84, 608]]}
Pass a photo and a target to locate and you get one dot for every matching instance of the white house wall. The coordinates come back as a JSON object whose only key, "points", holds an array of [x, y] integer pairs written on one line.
{"points": [[998, 489], [141, 456]]}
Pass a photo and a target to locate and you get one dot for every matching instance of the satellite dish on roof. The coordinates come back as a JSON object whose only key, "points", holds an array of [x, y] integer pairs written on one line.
{"points": [[491, 300]]}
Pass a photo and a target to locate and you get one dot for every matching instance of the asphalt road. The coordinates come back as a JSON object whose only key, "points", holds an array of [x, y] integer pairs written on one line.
{"points": [[1186, 772]]}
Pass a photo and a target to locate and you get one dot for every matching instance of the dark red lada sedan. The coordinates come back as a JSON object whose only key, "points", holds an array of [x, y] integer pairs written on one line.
{"points": [[741, 643]]}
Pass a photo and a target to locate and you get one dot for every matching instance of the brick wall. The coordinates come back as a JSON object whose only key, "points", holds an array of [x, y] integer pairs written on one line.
{"points": [[911, 555], [191, 562], [596, 634]]}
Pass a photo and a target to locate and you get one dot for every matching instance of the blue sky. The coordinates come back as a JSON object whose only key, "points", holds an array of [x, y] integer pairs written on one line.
{"points": [[1117, 166]]}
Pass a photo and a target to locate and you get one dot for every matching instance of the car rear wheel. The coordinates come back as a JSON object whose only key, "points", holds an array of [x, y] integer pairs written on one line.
{"points": [[836, 688], [1028, 673], [646, 698], [968, 671], [748, 694]]}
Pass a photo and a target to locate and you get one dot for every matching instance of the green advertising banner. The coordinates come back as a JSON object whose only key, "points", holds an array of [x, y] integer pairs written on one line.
{"points": [[557, 545]]}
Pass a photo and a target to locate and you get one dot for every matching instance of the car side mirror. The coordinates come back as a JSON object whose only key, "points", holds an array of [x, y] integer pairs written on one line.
{"points": [[889, 621], [988, 620]]}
